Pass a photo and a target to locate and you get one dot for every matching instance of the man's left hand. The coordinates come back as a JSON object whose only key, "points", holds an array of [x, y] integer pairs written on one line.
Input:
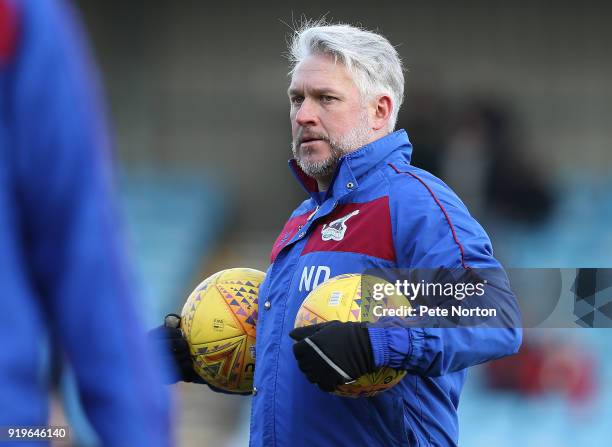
{"points": [[333, 353]]}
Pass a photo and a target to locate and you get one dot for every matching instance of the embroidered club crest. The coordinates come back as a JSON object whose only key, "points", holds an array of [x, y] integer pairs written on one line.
{"points": [[336, 229]]}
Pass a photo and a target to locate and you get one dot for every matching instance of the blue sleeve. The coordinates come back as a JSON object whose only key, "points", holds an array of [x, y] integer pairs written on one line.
{"points": [[70, 229], [444, 235], [438, 351]]}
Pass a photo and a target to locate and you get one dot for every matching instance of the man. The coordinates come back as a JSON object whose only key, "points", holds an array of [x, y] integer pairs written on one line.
{"points": [[62, 268], [345, 92]]}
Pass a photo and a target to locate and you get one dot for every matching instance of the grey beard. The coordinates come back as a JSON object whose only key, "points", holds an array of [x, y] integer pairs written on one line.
{"points": [[321, 169]]}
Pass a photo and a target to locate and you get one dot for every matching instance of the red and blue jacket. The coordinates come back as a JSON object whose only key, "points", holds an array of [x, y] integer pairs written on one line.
{"points": [[407, 219]]}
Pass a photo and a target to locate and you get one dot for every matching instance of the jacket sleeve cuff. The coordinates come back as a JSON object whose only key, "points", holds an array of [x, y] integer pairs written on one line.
{"points": [[414, 359], [380, 345], [397, 347]]}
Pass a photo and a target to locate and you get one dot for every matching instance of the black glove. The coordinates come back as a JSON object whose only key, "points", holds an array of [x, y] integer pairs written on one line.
{"points": [[169, 339], [333, 353]]}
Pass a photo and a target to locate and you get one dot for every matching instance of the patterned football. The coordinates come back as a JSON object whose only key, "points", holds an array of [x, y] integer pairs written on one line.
{"points": [[348, 298], [218, 321]]}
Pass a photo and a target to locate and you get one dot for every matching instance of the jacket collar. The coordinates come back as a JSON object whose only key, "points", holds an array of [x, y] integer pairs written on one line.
{"points": [[354, 166]]}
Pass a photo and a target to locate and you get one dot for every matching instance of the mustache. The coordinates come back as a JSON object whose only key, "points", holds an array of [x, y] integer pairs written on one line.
{"points": [[305, 135]]}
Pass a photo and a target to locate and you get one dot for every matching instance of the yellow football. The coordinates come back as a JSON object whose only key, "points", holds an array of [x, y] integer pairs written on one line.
{"points": [[218, 321], [349, 298]]}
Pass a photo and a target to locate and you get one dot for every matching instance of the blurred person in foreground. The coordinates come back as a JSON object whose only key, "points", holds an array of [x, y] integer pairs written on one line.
{"points": [[62, 268], [346, 89]]}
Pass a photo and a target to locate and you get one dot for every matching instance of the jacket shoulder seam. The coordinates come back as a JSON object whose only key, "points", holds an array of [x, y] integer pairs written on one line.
{"points": [[444, 212]]}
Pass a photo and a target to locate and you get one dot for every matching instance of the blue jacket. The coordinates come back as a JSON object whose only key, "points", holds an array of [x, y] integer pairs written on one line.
{"points": [[62, 266], [407, 218]]}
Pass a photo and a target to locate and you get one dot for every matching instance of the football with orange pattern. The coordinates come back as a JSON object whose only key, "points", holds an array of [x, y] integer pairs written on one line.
{"points": [[218, 321]]}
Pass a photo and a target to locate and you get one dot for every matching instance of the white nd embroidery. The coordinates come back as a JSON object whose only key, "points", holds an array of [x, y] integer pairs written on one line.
{"points": [[336, 229]]}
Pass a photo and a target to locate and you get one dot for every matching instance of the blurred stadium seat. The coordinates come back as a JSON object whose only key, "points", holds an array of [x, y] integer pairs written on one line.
{"points": [[174, 221], [578, 234]]}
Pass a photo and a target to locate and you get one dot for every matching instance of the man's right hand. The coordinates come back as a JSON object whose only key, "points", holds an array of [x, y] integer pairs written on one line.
{"points": [[169, 339]]}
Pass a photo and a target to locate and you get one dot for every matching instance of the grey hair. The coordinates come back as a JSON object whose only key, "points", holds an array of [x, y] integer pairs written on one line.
{"points": [[371, 59]]}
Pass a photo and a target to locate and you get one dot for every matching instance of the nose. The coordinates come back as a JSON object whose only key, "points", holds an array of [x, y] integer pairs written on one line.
{"points": [[306, 115]]}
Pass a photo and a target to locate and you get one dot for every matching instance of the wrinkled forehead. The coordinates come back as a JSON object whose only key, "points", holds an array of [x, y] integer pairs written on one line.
{"points": [[319, 71]]}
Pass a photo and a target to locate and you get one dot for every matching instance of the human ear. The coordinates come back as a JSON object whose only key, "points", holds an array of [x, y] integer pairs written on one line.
{"points": [[382, 107]]}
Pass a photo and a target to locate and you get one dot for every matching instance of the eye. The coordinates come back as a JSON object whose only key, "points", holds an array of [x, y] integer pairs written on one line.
{"points": [[328, 99], [296, 100]]}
